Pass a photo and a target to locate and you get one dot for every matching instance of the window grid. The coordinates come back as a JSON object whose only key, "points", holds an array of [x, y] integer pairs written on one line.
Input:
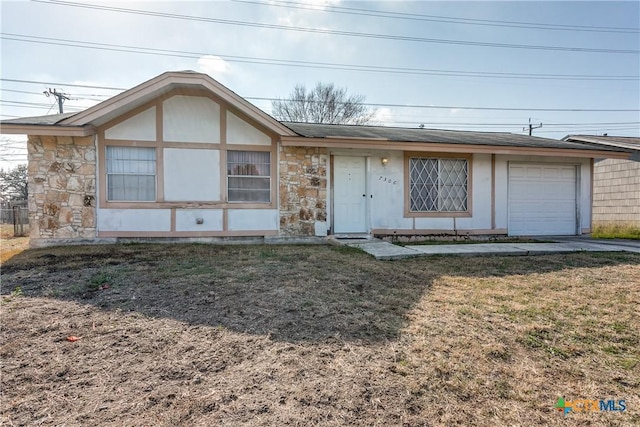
{"points": [[438, 185]]}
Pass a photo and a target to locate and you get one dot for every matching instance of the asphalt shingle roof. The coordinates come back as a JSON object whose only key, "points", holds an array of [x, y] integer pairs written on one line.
{"points": [[50, 120], [632, 143], [397, 134], [436, 136]]}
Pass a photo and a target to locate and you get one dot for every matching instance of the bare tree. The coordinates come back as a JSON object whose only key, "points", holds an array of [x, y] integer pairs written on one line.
{"points": [[325, 103], [13, 183]]}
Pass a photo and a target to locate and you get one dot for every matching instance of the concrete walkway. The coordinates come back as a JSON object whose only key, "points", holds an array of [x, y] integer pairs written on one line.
{"points": [[388, 251]]}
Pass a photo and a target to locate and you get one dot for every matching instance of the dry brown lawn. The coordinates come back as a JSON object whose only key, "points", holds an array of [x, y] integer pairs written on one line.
{"points": [[314, 335], [9, 245]]}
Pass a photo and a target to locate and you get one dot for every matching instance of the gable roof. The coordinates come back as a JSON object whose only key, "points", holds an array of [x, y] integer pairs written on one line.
{"points": [[84, 122]]}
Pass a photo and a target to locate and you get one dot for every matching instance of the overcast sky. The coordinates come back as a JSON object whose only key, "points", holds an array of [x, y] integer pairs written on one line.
{"points": [[517, 60]]}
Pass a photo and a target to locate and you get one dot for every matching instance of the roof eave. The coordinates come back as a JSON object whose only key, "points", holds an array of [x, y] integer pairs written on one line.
{"points": [[378, 144], [50, 130]]}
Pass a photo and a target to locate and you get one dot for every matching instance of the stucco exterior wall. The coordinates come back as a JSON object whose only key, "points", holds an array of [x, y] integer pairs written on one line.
{"points": [[62, 188], [192, 135], [387, 187], [303, 190], [616, 192]]}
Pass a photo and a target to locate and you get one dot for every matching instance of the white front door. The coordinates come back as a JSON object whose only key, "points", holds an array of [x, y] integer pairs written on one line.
{"points": [[349, 195]]}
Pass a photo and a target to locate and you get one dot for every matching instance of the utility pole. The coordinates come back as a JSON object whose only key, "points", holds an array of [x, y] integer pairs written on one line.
{"points": [[60, 97], [531, 127]]}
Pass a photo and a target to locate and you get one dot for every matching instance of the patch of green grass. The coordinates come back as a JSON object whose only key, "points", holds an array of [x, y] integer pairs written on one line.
{"points": [[629, 363], [542, 339], [192, 266], [619, 327], [267, 253], [615, 231], [101, 279], [612, 349], [15, 293]]}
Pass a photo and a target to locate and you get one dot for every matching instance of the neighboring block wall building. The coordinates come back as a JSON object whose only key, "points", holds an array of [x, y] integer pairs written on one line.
{"points": [[616, 183]]}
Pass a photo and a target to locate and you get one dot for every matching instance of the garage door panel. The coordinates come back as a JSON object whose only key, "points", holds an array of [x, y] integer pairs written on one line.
{"points": [[542, 199], [533, 172]]}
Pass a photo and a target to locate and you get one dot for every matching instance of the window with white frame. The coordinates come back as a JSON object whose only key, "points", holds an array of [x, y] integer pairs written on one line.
{"points": [[249, 176], [438, 185], [131, 174]]}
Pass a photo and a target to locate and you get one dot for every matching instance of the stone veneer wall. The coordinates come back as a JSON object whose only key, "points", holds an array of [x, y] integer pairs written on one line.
{"points": [[62, 187], [303, 189]]}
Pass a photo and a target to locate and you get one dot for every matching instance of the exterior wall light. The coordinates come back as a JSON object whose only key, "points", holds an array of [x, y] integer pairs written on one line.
{"points": [[384, 161]]}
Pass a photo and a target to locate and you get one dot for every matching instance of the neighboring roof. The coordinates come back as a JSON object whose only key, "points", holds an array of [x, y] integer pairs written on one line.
{"points": [[435, 136], [629, 143]]}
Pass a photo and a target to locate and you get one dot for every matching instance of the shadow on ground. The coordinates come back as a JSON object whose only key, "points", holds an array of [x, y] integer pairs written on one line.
{"points": [[291, 293]]}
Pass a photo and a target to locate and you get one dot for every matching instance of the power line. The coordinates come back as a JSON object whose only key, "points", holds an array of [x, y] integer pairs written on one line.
{"points": [[20, 91], [62, 84], [372, 104], [309, 64], [340, 32], [8, 101], [442, 19], [22, 104], [367, 104], [450, 107], [75, 96]]}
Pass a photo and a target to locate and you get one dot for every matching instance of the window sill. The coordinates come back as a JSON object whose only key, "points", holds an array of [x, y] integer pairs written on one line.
{"points": [[187, 205]]}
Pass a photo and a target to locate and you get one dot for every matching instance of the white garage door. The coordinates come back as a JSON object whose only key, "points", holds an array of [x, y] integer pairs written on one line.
{"points": [[542, 199]]}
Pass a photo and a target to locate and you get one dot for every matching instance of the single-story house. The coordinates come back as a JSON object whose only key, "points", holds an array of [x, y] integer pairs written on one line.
{"points": [[182, 156], [616, 182]]}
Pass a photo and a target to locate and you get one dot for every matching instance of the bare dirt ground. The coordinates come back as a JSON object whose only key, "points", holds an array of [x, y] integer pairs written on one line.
{"points": [[299, 335]]}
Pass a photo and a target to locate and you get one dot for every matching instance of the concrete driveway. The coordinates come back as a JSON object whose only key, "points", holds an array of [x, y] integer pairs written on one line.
{"points": [[563, 244]]}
